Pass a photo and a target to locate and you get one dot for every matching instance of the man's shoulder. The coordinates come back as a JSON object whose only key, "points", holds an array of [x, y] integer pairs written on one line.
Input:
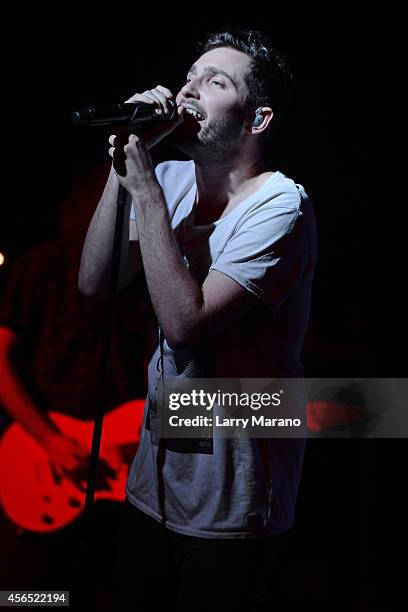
{"points": [[281, 191], [278, 198]]}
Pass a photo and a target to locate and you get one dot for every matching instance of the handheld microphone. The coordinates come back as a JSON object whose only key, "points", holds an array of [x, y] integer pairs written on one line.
{"points": [[129, 112]]}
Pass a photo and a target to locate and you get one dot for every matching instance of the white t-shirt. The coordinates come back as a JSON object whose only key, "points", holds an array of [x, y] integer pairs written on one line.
{"points": [[267, 244]]}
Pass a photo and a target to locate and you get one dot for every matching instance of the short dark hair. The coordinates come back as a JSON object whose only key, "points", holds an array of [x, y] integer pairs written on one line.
{"points": [[270, 80]]}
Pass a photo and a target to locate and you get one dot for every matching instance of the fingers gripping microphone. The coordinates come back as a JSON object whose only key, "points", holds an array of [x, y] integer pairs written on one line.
{"points": [[129, 112]]}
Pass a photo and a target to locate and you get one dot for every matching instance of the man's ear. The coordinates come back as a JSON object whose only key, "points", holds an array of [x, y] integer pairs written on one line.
{"points": [[260, 120]]}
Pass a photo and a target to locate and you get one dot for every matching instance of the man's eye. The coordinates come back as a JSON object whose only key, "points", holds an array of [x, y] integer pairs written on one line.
{"points": [[217, 83]]}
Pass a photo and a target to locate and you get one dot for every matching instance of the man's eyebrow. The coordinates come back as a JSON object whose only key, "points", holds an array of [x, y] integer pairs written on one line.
{"points": [[213, 70]]}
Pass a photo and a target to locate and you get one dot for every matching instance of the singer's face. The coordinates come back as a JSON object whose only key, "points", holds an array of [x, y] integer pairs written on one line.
{"points": [[215, 87]]}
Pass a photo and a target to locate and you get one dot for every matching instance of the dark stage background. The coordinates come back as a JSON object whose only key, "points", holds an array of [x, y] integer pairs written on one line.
{"points": [[347, 531]]}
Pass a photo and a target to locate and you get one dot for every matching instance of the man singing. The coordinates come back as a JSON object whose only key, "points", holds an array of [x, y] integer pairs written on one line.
{"points": [[228, 248]]}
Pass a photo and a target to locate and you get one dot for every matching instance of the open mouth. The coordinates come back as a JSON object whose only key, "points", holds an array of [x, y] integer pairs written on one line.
{"points": [[194, 113]]}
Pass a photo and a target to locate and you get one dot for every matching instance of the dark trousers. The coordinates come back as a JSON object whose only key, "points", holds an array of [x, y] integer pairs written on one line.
{"points": [[158, 569]]}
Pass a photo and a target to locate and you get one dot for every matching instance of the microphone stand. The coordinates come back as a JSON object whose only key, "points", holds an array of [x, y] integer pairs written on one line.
{"points": [[86, 519]]}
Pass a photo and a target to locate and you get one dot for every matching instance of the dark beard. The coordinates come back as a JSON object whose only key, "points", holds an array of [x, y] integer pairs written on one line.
{"points": [[214, 142]]}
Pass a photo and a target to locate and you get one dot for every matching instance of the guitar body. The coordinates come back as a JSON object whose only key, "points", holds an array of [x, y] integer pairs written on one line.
{"points": [[29, 495]]}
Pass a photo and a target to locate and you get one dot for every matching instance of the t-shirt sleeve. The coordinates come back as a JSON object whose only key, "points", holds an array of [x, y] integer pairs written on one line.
{"points": [[268, 252]]}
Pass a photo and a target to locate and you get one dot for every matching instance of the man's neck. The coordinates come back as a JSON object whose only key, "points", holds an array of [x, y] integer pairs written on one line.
{"points": [[221, 188]]}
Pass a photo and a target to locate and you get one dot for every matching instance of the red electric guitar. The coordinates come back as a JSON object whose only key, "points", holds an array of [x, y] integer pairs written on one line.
{"points": [[29, 495]]}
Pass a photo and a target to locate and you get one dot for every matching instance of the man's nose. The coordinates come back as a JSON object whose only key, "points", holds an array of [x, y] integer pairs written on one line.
{"points": [[190, 90]]}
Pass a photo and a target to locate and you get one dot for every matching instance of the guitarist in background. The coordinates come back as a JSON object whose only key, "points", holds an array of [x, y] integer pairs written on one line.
{"points": [[50, 341]]}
